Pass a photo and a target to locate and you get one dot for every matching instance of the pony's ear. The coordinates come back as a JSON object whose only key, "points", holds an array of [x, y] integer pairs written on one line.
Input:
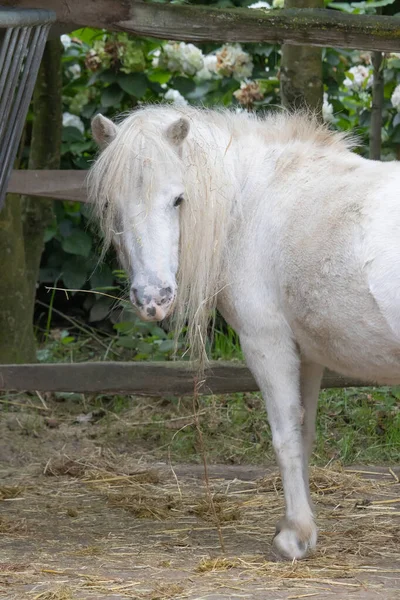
{"points": [[178, 131], [103, 130]]}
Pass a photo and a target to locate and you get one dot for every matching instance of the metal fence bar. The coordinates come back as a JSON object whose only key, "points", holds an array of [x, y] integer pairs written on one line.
{"points": [[11, 73], [21, 50]]}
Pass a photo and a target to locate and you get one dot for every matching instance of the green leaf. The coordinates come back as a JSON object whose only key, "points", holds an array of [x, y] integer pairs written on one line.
{"points": [[74, 273], [101, 309], [342, 6], [134, 84], [72, 134], [145, 348], [108, 76], [49, 274], [82, 146], [159, 76], [395, 137], [87, 34], [82, 163], [79, 242], [396, 392], [111, 96], [184, 85], [124, 327], [88, 110], [166, 346], [127, 342], [158, 332], [65, 227], [50, 232], [102, 278], [144, 328], [332, 58]]}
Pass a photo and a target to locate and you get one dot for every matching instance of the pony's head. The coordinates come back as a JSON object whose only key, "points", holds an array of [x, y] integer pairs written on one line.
{"points": [[139, 207], [162, 188]]}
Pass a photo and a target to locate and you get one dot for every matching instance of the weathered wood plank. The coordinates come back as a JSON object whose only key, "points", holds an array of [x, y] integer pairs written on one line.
{"points": [[149, 379], [313, 27], [61, 185], [206, 23]]}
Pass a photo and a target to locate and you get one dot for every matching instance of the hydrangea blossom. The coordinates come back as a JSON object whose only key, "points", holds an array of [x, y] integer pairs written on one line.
{"points": [[79, 100], [66, 41], [70, 120], [97, 57], [74, 71], [278, 3], [233, 61], [248, 93], [131, 57], [327, 109], [395, 99], [260, 4], [362, 78], [175, 97], [209, 69], [179, 57]]}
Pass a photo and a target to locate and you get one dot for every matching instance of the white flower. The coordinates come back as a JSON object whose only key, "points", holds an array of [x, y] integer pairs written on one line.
{"points": [[233, 61], [74, 71], [66, 41], [70, 120], [175, 97], [327, 109], [278, 3], [209, 69], [180, 57], [156, 58], [395, 99], [362, 78], [260, 4]]}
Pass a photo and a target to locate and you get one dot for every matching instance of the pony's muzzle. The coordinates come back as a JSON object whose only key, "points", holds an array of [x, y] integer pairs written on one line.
{"points": [[155, 306]]}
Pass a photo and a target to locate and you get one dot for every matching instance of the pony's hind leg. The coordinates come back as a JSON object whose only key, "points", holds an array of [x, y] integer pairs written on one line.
{"points": [[275, 364], [310, 384]]}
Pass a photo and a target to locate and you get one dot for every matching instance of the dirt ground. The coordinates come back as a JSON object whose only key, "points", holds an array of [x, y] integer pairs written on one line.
{"points": [[81, 519]]}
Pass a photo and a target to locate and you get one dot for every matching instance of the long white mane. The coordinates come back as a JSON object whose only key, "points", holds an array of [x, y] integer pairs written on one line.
{"points": [[212, 190]]}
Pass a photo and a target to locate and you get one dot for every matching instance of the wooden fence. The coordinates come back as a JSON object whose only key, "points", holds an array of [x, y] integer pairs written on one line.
{"points": [[195, 24], [141, 378], [313, 27]]}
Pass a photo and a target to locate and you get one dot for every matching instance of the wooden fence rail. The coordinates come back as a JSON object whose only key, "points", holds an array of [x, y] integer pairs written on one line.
{"points": [[141, 378], [207, 23], [59, 185]]}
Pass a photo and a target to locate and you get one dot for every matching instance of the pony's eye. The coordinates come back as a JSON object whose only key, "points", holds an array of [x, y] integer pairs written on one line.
{"points": [[178, 200]]}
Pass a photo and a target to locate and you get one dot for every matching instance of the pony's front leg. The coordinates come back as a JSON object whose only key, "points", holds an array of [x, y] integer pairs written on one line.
{"points": [[273, 359]]}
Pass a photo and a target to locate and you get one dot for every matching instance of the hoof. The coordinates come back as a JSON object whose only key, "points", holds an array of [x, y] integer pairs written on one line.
{"points": [[293, 541]]}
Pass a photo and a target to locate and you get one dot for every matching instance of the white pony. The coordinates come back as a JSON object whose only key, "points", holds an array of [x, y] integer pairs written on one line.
{"points": [[276, 222]]}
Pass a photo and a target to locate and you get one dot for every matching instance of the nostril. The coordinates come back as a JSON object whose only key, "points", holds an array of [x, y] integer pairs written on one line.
{"points": [[166, 293], [135, 297]]}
